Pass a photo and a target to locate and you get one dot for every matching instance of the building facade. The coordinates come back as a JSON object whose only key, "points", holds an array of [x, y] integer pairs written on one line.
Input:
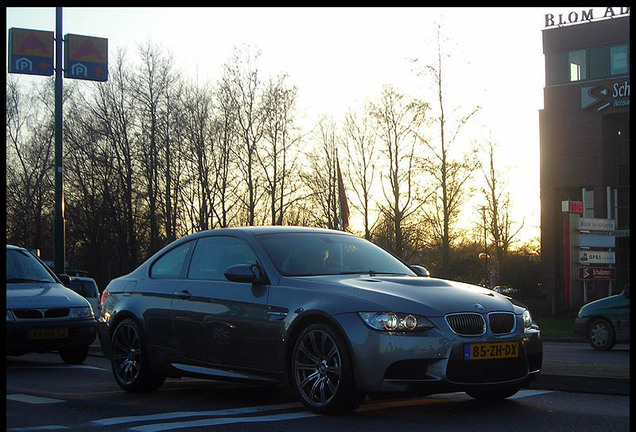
{"points": [[584, 133]]}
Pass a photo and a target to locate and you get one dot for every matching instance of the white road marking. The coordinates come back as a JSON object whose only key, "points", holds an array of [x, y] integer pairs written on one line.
{"points": [[527, 393], [217, 413], [18, 397], [223, 421]]}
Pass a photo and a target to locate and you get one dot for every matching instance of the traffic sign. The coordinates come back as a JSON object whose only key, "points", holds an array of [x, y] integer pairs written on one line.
{"points": [[30, 52], [597, 273], [86, 58]]}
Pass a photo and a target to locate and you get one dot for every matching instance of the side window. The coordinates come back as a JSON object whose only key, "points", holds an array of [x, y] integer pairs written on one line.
{"points": [[171, 264], [214, 254]]}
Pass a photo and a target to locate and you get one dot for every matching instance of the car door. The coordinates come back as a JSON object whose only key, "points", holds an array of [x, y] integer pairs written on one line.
{"points": [[623, 315], [216, 321]]}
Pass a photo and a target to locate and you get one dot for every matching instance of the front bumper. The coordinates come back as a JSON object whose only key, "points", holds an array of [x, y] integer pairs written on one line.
{"points": [[20, 340], [433, 361]]}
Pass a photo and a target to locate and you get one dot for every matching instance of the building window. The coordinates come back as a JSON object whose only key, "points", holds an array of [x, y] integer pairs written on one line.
{"points": [[619, 60], [578, 69]]}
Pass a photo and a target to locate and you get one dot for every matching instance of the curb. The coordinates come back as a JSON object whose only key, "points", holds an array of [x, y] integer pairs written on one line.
{"points": [[582, 384]]}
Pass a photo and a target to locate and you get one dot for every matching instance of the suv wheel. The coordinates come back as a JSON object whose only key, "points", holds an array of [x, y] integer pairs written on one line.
{"points": [[75, 354], [601, 335]]}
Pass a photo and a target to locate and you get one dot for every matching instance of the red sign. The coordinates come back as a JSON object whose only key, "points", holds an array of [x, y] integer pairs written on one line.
{"points": [[597, 273]]}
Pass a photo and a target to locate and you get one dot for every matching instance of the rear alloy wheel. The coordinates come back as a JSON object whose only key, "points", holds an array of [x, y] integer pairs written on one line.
{"points": [[129, 359], [323, 372], [75, 354], [601, 335]]}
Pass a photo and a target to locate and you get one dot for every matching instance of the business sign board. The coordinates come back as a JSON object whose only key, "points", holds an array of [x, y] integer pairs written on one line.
{"points": [[597, 273], [597, 257], [30, 52], [588, 224], [85, 58], [597, 240]]}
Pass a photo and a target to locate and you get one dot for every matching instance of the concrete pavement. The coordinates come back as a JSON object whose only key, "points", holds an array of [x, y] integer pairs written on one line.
{"points": [[568, 365]]}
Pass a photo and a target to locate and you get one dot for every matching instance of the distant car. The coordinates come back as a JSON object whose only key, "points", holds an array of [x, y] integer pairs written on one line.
{"points": [[87, 288], [605, 322], [325, 312], [42, 314]]}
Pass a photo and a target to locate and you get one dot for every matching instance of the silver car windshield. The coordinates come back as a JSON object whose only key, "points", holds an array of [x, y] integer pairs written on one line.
{"points": [[317, 254], [22, 267]]}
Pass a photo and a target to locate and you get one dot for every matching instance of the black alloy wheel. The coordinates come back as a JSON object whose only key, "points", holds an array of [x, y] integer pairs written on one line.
{"points": [[129, 359], [322, 371]]}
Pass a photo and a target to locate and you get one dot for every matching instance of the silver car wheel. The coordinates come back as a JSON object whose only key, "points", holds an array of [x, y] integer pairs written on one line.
{"points": [[601, 335], [317, 367]]}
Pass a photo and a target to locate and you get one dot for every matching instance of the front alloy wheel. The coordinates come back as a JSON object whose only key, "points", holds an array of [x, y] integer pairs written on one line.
{"points": [[129, 359], [322, 371]]}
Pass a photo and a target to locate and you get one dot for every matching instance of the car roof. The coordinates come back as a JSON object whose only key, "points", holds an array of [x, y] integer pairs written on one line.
{"points": [[270, 229]]}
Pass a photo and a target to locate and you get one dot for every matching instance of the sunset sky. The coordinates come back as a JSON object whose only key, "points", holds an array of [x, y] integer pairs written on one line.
{"points": [[338, 57]]}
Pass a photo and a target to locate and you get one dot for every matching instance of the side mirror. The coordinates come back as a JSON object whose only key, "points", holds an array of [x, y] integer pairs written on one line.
{"points": [[65, 279], [420, 270], [245, 273]]}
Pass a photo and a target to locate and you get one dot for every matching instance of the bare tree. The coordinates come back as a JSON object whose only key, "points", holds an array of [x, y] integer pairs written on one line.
{"points": [[449, 174], [497, 212], [398, 119], [29, 153], [280, 150], [321, 176], [360, 139], [244, 87]]}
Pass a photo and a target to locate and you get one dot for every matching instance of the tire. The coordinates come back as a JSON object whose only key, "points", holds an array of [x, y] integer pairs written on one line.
{"points": [[75, 354], [129, 359], [601, 335], [322, 371], [494, 394]]}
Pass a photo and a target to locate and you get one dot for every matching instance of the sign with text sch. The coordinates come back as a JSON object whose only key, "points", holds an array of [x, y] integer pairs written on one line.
{"points": [[597, 273], [30, 52], [85, 58]]}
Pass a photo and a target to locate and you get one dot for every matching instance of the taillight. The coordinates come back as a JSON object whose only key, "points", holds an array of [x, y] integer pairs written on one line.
{"points": [[102, 299]]}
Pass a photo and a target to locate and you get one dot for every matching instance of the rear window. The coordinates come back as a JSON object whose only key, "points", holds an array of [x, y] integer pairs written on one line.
{"points": [[85, 288]]}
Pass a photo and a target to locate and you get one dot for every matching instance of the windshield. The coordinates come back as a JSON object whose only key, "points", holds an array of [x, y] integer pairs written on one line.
{"points": [[22, 267], [314, 254]]}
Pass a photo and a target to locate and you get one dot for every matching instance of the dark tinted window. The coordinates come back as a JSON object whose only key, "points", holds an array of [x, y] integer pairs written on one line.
{"points": [[213, 255], [171, 265], [309, 254], [86, 288]]}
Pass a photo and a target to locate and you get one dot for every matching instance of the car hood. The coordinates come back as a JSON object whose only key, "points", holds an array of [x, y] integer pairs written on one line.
{"points": [[428, 296], [42, 295], [604, 305]]}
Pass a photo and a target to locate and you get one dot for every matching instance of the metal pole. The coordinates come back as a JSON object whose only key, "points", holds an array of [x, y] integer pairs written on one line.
{"points": [[58, 223]]}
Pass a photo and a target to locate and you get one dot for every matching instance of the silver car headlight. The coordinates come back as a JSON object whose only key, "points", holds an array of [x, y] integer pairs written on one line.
{"points": [[395, 322], [527, 319], [81, 312]]}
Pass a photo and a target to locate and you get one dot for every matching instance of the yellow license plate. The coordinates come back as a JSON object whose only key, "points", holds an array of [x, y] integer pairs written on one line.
{"points": [[478, 351], [58, 333]]}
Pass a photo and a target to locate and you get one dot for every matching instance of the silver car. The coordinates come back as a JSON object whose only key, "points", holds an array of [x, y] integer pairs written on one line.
{"points": [[42, 314], [325, 312]]}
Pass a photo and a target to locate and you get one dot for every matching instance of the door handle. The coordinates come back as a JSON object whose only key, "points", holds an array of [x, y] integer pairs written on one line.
{"points": [[185, 294]]}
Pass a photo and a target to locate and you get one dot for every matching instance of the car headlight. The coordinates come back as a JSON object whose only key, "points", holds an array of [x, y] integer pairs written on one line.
{"points": [[81, 312], [527, 319], [10, 316], [395, 322]]}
